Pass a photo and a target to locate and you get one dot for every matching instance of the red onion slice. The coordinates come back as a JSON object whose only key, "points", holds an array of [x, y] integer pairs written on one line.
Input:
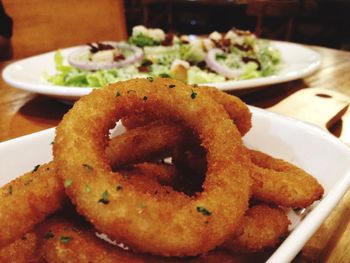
{"points": [[79, 58], [223, 70]]}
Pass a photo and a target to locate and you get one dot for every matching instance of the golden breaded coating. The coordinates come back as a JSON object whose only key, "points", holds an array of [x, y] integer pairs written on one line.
{"points": [[144, 149], [68, 242], [199, 225], [28, 200], [215, 256], [279, 182], [267, 173], [23, 250], [165, 174], [234, 106], [194, 209], [275, 181], [262, 227]]}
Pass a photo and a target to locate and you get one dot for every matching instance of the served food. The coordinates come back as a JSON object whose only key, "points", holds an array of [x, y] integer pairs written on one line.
{"points": [[274, 180], [136, 199], [27, 201], [190, 218], [235, 55], [262, 226]]}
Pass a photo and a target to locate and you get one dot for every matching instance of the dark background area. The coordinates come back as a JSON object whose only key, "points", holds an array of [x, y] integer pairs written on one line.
{"points": [[318, 22]]}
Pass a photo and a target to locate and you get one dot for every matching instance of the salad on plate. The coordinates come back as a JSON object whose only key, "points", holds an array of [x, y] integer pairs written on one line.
{"points": [[219, 57]]}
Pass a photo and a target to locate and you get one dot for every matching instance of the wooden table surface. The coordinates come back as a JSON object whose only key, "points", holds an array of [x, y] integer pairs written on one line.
{"points": [[23, 112]]}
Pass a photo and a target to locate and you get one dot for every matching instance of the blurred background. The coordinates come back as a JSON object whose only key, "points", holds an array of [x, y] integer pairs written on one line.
{"points": [[48, 24], [318, 22]]}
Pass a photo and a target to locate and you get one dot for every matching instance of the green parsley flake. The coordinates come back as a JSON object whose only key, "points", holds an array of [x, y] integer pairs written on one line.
{"points": [[88, 167], [36, 167], [87, 189], [49, 235], [193, 95], [104, 198], [203, 211], [150, 79], [65, 239], [68, 182]]}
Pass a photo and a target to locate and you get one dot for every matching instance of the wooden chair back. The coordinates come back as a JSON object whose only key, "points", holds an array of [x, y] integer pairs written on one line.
{"points": [[265, 9], [46, 25]]}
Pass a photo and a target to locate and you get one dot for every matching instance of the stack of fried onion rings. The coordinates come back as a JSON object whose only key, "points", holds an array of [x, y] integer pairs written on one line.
{"points": [[119, 185], [176, 226]]}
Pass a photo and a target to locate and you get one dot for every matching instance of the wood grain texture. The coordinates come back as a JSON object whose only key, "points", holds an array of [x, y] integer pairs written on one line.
{"points": [[46, 25], [23, 113], [321, 107], [331, 243]]}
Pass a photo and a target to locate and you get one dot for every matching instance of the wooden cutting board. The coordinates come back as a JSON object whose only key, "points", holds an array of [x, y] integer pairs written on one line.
{"points": [[322, 107]]}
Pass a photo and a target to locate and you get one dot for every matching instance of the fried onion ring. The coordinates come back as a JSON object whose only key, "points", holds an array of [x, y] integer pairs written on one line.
{"points": [[70, 242], [262, 227], [166, 175], [18, 218], [28, 200], [279, 182], [196, 227], [143, 149], [235, 107], [82, 245], [23, 250], [275, 181]]}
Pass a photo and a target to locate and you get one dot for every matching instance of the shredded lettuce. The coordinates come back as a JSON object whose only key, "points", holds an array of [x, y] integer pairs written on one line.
{"points": [[192, 53], [267, 59], [141, 40], [250, 71], [73, 77], [197, 76], [162, 55]]}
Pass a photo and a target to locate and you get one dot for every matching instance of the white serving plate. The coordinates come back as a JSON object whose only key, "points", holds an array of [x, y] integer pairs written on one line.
{"points": [[307, 146], [27, 74]]}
